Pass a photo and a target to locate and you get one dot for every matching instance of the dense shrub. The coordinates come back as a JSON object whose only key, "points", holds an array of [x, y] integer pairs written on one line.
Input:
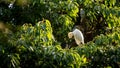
{"points": [[103, 52], [37, 44], [62, 14], [33, 46]]}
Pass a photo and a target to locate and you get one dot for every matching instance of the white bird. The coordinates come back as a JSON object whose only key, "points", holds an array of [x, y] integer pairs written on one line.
{"points": [[78, 36]]}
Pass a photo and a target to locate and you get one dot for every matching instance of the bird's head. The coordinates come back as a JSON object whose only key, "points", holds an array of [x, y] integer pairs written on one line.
{"points": [[70, 34]]}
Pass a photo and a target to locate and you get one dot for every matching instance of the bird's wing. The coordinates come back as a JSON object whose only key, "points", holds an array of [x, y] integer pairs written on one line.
{"points": [[78, 36]]}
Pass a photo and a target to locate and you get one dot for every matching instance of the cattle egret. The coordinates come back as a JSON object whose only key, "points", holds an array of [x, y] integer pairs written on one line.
{"points": [[78, 36]]}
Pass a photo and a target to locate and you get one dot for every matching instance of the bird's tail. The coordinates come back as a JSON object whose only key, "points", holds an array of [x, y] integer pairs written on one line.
{"points": [[83, 42]]}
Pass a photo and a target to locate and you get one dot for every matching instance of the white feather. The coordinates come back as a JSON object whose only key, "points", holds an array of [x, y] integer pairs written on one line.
{"points": [[78, 36]]}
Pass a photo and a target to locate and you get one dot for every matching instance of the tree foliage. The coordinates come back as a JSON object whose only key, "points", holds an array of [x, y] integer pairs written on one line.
{"points": [[32, 31], [32, 46]]}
